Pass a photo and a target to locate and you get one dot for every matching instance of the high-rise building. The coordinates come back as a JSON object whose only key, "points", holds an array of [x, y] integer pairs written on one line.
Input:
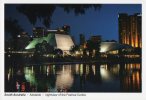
{"points": [[130, 29], [82, 39]]}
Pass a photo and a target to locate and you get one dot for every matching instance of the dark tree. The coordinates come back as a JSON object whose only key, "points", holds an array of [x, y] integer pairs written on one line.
{"points": [[38, 49], [13, 28], [44, 48], [37, 11], [90, 47], [74, 49], [44, 12], [78, 9], [113, 41], [93, 46], [58, 52]]}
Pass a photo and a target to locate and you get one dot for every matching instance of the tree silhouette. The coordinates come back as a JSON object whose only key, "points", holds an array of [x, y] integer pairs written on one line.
{"points": [[44, 12], [58, 51], [44, 48], [74, 49], [12, 27], [90, 46], [93, 46]]}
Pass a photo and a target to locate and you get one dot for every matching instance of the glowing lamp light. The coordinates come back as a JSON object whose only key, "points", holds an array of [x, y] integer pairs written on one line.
{"points": [[18, 36]]}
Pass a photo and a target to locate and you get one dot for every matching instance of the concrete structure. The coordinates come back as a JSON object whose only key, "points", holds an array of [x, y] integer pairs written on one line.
{"points": [[112, 46], [61, 41]]}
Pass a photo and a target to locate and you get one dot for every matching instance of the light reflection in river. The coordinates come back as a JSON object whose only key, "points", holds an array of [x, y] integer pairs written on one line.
{"points": [[64, 78], [105, 73], [75, 77]]}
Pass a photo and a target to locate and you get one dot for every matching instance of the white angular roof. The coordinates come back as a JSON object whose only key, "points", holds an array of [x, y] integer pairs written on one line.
{"points": [[111, 46], [61, 41]]}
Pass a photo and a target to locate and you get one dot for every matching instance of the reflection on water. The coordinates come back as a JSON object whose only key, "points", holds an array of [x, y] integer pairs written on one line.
{"points": [[132, 79], [74, 78], [64, 79]]}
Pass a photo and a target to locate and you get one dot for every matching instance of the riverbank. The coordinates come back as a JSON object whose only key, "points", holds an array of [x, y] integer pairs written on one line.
{"points": [[65, 62], [19, 59]]}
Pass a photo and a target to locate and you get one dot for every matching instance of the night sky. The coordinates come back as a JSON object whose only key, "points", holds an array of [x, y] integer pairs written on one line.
{"points": [[102, 22]]}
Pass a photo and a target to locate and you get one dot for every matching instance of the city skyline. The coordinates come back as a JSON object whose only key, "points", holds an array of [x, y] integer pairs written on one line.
{"points": [[50, 61], [95, 26]]}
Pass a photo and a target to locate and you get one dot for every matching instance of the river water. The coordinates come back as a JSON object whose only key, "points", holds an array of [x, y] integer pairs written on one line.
{"points": [[73, 78]]}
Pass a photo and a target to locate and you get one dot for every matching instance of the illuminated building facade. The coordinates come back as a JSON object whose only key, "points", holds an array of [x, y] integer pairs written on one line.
{"points": [[130, 29], [61, 41], [56, 38], [113, 47]]}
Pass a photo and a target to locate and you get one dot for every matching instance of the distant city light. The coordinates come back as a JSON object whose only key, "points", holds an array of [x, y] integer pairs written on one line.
{"points": [[52, 30], [61, 30], [18, 36]]}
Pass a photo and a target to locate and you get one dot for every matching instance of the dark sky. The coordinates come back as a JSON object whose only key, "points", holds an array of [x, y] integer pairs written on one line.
{"points": [[102, 22]]}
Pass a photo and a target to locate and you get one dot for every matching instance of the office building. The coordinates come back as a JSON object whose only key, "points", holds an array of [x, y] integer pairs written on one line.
{"points": [[130, 29]]}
